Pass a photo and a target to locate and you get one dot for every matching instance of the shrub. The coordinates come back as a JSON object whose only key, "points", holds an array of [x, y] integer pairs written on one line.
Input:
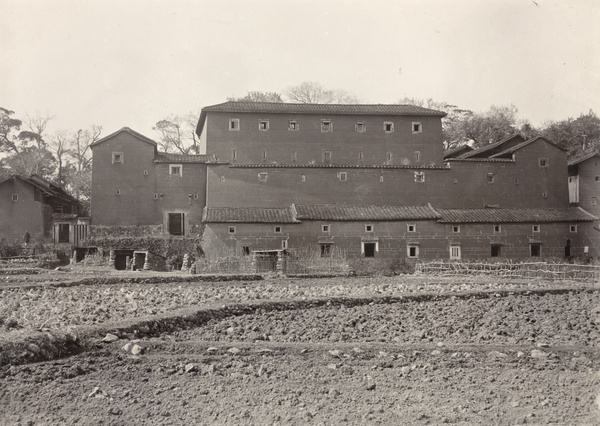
{"points": [[380, 266]]}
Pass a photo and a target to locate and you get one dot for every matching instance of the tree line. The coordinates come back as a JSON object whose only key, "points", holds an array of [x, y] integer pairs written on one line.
{"points": [[64, 157]]}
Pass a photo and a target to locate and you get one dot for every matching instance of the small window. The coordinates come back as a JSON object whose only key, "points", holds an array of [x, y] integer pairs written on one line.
{"points": [[496, 250], [264, 155], [535, 228], [118, 192], [456, 229], [412, 250], [417, 127], [420, 177], [293, 126], [369, 228], [263, 125], [175, 169], [369, 249], [343, 176], [262, 177], [222, 178], [543, 162], [360, 127], [161, 195], [195, 195], [15, 197], [389, 156], [388, 127], [176, 223], [326, 156], [360, 156], [497, 229], [117, 157], [284, 244], [156, 195], [593, 200], [232, 229], [326, 126], [544, 194], [294, 156], [234, 124], [277, 229], [411, 227], [536, 250], [325, 229], [573, 228], [516, 181], [325, 250], [303, 178], [417, 156], [490, 178], [455, 252], [597, 178], [455, 180], [245, 250], [233, 154], [380, 178], [145, 172]]}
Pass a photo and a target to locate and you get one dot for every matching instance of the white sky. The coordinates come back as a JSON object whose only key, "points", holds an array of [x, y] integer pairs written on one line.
{"points": [[133, 62]]}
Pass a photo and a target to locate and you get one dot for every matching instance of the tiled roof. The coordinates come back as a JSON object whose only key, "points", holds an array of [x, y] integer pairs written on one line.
{"points": [[248, 215], [509, 151], [330, 166], [474, 160], [567, 214], [486, 148], [126, 130], [343, 212], [582, 158], [164, 157], [330, 109], [452, 151], [344, 109]]}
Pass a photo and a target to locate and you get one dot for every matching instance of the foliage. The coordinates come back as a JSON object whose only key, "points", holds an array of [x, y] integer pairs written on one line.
{"points": [[258, 97], [178, 134], [310, 92], [381, 266], [575, 135], [10, 248], [170, 248]]}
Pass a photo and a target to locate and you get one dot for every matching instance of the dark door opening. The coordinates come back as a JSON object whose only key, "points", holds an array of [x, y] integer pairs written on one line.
{"points": [[369, 249], [266, 261], [325, 250], [496, 250], [63, 232], [536, 250], [568, 249], [176, 224], [121, 259]]}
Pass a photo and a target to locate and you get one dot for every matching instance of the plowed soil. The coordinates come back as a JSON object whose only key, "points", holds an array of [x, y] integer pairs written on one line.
{"points": [[521, 358]]}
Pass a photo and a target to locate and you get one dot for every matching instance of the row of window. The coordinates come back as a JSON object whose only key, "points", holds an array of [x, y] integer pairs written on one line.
{"points": [[326, 156], [341, 176], [160, 195], [326, 126], [410, 227]]}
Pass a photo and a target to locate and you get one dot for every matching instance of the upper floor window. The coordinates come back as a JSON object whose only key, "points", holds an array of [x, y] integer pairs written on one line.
{"points": [[117, 157], [234, 124], [411, 227], [572, 228], [417, 127], [369, 228], [417, 156], [388, 127], [594, 201], [293, 125], [535, 228], [294, 156], [262, 177], [15, 197], [233, 154], [175, 169], [326, 126], [389, 156], [232, 229], [490, 178], [497, 229], [325, 229], [263, 125], [360, 156], [420, 177], [343, 176], [456, 229], [543, 162], [326, 156], [360, 127], [277, 229]]}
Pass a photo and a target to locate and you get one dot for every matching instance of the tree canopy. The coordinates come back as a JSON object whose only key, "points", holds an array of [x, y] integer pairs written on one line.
{"points": [[310, 92]]}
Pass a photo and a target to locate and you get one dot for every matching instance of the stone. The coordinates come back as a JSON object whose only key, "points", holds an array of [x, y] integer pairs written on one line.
{"points": [[335, 353], [34, 348], [233, 351], [496, 354], [333, 393], [436, 352], [542, 345], [536, 353], [127, 347], [212, 349], [137, 350], [109, 338], [371, 386], [189, 368], [520, 354]]}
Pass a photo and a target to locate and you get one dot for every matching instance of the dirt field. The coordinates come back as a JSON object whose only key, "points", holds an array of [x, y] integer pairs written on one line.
{"points": [[395, 350]]}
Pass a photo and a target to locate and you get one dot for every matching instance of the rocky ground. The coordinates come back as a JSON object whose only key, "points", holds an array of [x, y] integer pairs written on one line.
{"points": [[465, 354]]}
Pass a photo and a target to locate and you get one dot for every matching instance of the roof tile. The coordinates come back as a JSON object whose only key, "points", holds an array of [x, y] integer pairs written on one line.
{"points": [[248, 215], [567, 214], [343, 212]]}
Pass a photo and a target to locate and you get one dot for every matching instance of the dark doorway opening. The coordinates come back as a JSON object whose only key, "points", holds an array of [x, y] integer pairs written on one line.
{"points": [[536, 250], [369, 249], [325, 250], [568, 249], [496, 250], [121, 259], [176, 224], [266, 261], [63, 232]]}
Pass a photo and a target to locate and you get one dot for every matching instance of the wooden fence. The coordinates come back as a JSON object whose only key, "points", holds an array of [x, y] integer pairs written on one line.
{"points": [[541, 270]]}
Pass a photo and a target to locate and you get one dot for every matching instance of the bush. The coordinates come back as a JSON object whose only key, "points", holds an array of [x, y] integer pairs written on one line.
{"points": [[10, 248]]}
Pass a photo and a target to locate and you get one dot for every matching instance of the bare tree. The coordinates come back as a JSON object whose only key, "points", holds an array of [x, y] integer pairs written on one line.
{"points": [[309, 92], [258, 97], [178, 134]]}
